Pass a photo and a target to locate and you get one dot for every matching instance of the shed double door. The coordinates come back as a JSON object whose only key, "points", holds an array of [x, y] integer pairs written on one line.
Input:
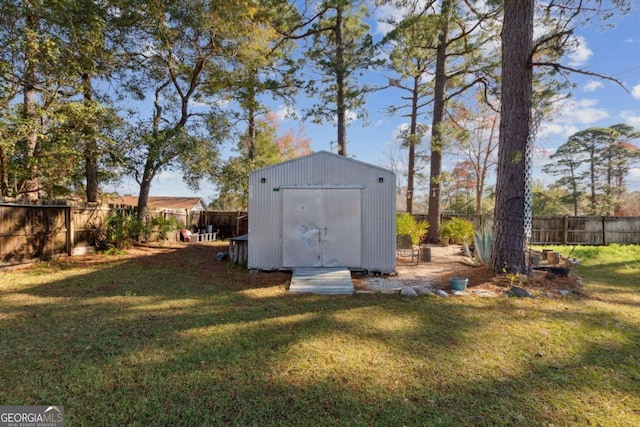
{"points": [[321, 227]]}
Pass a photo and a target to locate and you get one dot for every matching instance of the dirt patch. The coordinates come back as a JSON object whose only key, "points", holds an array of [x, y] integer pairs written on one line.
{"points": [[447, 262], [199, 258]]}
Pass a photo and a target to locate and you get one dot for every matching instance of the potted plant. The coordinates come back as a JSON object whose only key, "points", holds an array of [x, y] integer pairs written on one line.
{"points": [[456, 231]]}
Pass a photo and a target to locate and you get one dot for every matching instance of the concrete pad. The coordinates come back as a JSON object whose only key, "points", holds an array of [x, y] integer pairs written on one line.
{"points": [[328, 281]]}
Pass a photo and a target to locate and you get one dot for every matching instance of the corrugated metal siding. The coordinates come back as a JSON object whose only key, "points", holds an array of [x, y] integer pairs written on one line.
{"points": [[322, 169]]}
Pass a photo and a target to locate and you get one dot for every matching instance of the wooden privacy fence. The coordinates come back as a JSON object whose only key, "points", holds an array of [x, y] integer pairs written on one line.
{"points": [[227, 223], [32, 232], [585, 230], [571, 230]]}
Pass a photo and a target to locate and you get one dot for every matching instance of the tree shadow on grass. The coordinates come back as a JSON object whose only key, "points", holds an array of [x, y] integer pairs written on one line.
{"points": [[173, 342]]}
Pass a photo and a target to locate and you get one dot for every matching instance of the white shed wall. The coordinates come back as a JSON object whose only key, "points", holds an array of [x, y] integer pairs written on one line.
{"points": [[322, 170]]}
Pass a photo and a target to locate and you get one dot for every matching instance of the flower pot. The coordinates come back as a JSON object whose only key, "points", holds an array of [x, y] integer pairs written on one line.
{"points": [[458, 283]]}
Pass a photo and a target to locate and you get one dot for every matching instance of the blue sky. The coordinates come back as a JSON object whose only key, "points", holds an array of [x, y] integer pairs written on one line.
{"points": [[614, 52]]}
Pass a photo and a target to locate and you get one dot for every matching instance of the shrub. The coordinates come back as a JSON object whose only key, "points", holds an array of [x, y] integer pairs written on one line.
{"points": [[123, 228], [163, 226], [407, 224], [457, 230]]}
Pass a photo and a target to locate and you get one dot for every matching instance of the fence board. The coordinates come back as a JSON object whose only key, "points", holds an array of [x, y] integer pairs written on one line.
{"points": [[570, 230], [32, 232], [29, 233]]}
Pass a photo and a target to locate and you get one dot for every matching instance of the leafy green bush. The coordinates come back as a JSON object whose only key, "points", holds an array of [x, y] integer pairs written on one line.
{"points": [[457, 230], [163, 226], [123, 228], [407, 224]]}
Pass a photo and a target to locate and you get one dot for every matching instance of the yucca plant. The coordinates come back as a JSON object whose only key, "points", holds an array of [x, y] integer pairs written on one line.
{"points": [[482, 241]]}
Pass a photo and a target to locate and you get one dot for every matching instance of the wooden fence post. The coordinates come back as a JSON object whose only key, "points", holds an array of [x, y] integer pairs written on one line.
{"points": [[68, 219], [565, 229], [604, 230]]}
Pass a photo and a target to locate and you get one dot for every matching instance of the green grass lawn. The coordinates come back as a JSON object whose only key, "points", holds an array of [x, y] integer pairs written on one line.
{"points": [[171, 340]]}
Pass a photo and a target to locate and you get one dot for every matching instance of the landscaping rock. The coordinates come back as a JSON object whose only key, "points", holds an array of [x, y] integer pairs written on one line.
{"points": [[441, 293], [564, 292], [519, 291], [407, 291], [424, 292]]}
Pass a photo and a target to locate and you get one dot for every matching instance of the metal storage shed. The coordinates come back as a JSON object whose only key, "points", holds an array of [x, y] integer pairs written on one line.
{"points": [[322, 210]]}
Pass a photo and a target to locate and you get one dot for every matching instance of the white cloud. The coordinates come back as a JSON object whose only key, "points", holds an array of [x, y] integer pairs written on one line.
{"points": [[581, 103], [399, 131], [592, 86], [556, 131], [284, 113], [633, 179], [222, 102], [382, 14], [572, 116], [629, 118], [581, 53], [541, 156], [587, 116], [390, 12], [350, 116], [548, 130], [583, 111], [636, 91]]}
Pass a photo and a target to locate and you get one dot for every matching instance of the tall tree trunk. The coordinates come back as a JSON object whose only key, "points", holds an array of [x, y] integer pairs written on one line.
{"points": [[479, 191], [413, 141], [592, 182], [340, 95], [90, 146], [483, 170], [145, 188], [251, 133], [515, 117], [4, 173], [433, 215], [251, 104], [30, 187]]}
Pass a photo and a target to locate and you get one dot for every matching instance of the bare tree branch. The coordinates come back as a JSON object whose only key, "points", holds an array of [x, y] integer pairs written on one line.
{"points": [[558, 67]]}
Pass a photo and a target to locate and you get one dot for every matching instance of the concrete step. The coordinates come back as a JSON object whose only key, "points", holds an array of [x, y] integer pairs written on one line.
{"points": [[328, 281]]}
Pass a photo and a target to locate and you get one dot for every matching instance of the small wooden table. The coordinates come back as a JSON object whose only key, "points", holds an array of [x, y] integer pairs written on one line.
{"points": [[239, 249]]}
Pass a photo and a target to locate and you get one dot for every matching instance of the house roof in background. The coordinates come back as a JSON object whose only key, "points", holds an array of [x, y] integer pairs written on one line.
{"points": [[190, 203]]}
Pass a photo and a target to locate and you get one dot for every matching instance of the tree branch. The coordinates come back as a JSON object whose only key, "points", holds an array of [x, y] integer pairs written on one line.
{"points": [[558, 67]]}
